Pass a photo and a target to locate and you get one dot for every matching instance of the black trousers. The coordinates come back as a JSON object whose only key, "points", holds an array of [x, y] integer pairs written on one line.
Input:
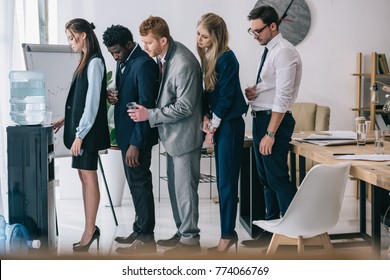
{"points": [[140, 183], [273, 168]]}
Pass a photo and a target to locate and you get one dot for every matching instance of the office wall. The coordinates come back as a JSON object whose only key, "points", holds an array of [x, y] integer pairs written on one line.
{"points": [[339, 29]]}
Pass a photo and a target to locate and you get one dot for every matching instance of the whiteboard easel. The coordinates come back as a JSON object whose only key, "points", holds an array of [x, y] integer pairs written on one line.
{"points": [[58, 62]]}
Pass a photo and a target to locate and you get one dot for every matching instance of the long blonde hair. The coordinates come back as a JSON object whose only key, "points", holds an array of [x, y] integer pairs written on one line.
{"points": [[219, 36]]}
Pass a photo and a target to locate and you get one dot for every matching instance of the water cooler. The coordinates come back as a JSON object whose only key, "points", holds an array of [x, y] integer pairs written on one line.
{"points": [[31, 196], [31, 193]]}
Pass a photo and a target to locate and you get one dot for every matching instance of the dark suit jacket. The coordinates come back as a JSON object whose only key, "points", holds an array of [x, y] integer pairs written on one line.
{"points": [[139, 83], [226, 100]]}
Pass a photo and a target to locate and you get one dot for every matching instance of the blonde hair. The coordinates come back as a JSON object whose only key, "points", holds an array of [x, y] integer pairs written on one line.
{"points": [[219, 36]]}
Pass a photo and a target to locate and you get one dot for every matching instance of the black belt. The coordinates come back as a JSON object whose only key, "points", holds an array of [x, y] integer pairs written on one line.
{"points": [[261, 113]]}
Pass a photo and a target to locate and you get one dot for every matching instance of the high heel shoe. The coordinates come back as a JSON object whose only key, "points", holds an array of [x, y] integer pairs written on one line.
{"points": [[77, 243], [77, 247], [232, 241]]}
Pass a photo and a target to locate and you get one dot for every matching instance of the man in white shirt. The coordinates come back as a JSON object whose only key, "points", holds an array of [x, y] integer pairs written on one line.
{"points": [[278, 79]]}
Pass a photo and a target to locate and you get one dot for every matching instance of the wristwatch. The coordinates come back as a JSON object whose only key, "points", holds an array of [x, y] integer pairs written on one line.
{"points": [[271, 134]]}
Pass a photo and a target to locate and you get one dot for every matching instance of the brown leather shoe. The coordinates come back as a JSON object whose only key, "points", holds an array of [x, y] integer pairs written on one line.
{"points": [[138, 247], [171, 242], [181, 249], [126, 240]]}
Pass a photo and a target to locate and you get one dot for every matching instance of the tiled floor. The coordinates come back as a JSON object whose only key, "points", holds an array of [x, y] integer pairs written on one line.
{"points": [[70, 222]]}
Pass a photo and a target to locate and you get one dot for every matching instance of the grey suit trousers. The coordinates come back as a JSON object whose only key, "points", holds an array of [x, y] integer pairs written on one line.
{"points": [[183, 173]]}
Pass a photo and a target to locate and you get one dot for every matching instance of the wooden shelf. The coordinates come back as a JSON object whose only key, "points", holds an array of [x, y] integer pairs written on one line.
{"points": [[360, 94], [369, 75], [366, 109]]}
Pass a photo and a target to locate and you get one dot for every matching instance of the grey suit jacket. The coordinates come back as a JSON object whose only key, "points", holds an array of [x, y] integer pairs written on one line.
{"points": [[179, 104]]}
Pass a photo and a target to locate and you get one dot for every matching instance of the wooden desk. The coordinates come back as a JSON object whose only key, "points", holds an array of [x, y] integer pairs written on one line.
{"points": [[375, 173]]}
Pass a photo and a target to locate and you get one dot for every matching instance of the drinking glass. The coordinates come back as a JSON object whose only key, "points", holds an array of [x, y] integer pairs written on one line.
{"points": [[131, 105], [361, 131], [379, 144]]}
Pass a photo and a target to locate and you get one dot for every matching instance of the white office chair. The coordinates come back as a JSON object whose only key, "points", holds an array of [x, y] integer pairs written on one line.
{"points": [[313, 211]]}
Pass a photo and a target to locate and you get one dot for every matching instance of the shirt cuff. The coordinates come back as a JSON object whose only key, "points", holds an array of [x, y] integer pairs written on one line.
{"points": [[215, 122]]}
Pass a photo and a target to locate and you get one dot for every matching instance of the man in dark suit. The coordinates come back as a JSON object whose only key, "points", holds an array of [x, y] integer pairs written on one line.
{"points": [[137, 80]]}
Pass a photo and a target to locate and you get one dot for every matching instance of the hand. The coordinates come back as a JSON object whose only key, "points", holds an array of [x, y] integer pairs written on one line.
{"points": [[58, 124], [76, 146], [112, 96], [206, 124], [132, 156], [266, 145], [138, 115], [209, 139], [250, 93]]}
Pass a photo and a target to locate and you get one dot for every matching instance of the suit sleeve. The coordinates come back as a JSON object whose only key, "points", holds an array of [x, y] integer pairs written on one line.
{"points": [[147, 83], [186, 88], [227, 69]]}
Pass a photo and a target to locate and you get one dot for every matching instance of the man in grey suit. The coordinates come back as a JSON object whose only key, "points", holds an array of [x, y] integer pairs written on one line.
{"points": [[178, 117]]}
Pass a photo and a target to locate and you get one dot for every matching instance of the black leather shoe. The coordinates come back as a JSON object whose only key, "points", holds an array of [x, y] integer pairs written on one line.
{"points": [[181, 249], [126, 240], [262, 240], [138, 247], [171, 242]]}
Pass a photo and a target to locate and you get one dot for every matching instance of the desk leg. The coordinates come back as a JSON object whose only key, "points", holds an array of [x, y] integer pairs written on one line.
{"points": [[293, 169], [375, 220], [302, 168], [251, 203], [362, 206]]}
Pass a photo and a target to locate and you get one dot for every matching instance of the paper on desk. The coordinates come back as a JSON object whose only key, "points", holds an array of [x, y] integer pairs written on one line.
{"points": [[330, 138], [330, 142], [332, 135], [370, 157]]}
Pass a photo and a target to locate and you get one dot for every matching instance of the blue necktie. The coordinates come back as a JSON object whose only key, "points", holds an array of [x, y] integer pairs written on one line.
{"points": [[261, 64]]}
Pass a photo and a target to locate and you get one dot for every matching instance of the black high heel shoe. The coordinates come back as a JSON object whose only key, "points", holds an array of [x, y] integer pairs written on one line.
{"points": [[232, 241], [77, 247]]}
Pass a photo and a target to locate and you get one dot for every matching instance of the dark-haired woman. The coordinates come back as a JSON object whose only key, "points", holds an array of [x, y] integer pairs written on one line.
{"points": [[85, 122]]}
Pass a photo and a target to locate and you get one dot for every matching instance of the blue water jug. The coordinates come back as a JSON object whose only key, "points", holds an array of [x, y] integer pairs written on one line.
{"points": [[18, 242]]}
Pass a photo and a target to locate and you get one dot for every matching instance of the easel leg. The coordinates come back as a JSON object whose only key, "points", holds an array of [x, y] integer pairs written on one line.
{"points": [[108, 191]]}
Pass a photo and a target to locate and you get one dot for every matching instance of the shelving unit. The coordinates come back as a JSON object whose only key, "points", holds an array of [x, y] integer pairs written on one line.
{"points": [[207, 153], [361, 108]]}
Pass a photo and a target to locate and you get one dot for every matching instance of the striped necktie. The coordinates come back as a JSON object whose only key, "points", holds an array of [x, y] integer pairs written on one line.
{"points": [[161, 66]]}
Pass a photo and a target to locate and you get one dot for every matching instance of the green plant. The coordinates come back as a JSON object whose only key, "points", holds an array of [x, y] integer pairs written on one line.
{"points": [[110, 113]]}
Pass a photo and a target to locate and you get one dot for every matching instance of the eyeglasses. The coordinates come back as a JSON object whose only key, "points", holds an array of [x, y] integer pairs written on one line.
{"points": [[257, 31]]}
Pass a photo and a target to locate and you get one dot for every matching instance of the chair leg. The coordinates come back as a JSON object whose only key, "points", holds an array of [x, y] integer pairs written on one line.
{"points": [[325, 240], [301, 246], [273, 245]]}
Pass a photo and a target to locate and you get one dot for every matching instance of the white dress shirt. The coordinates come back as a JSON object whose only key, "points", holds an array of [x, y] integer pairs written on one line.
{"points": [[280, 77]]}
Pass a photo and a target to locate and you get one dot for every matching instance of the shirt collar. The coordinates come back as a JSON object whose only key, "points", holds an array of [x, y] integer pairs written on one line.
{"points": [[135, 46], [274, 41]]}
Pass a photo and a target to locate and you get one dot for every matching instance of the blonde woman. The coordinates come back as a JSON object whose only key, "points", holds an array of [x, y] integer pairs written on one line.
{"points": [[223, 123]]}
